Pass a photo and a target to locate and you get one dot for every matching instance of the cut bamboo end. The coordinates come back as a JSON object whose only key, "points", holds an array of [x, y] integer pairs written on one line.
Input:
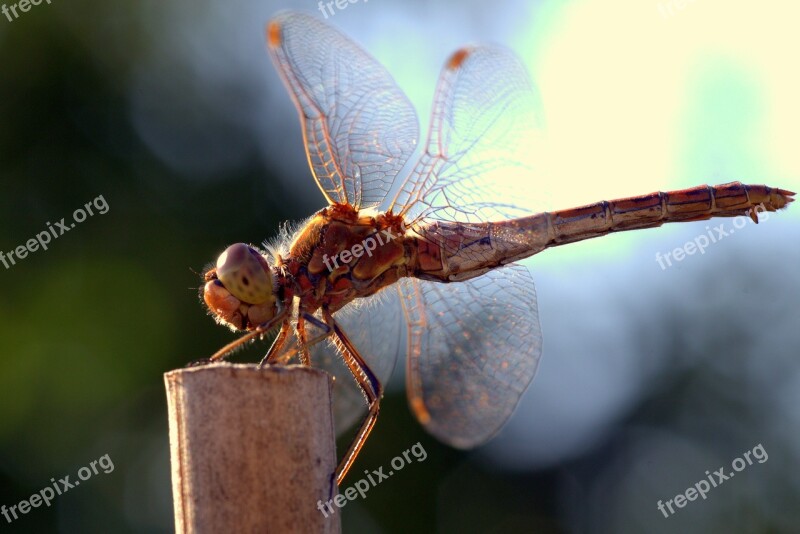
{"points": [[252, 449]]}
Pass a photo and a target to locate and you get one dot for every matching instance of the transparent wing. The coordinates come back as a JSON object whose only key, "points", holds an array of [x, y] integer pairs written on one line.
{"points": [[358, 126], [473, 348], [376, 326], [480, 159]]}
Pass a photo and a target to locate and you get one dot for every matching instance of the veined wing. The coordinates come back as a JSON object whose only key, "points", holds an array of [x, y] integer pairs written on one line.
{"points": [[473, 348], [480, 155], [358, 126]]}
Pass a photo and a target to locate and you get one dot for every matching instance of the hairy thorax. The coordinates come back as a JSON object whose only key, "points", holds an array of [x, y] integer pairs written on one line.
{"points": [[342, 254]]}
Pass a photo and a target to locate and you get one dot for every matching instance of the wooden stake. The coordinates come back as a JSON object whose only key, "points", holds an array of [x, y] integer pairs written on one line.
{"points": [[252, 450]]}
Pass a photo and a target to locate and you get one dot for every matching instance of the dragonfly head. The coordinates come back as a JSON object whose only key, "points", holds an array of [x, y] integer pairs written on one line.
{"points": [[240, 290]]}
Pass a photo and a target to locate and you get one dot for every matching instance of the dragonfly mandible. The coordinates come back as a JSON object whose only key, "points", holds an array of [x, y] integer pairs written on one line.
{"points": [[428, 256]]}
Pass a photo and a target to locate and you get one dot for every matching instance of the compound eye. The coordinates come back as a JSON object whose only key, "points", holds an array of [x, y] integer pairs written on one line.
{"points": [[245, 273]]}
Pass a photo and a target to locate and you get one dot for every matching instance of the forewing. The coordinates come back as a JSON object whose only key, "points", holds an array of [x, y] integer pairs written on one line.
{"points": [[358, 126], [473, 348], [479, 161]]}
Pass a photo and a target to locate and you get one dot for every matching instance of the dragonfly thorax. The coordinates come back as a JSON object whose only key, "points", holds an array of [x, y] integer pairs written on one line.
{"points": [[342, 254]]}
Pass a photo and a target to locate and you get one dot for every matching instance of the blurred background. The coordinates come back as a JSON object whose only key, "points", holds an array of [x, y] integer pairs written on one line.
{"points": [[173, 113]]}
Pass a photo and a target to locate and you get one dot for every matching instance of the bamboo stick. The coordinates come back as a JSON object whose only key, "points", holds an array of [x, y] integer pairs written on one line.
{"points": [[252, 450]]}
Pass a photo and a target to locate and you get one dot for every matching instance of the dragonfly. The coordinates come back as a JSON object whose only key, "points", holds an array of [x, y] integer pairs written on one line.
{"points": [[419, 254]]}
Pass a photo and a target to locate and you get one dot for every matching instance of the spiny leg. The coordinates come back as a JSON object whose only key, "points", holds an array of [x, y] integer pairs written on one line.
{"points": [[370, 386], [326, 331], [305, 359], [277, 345], [283, 357], [233, 345]]}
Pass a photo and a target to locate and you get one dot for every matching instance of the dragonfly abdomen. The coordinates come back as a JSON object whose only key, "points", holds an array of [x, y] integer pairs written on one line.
{"points": [[458, 251], [654, 209]]}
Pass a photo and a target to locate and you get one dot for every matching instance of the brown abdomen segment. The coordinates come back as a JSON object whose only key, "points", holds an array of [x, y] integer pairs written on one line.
{"points": [[694, 204], [455, 251]]}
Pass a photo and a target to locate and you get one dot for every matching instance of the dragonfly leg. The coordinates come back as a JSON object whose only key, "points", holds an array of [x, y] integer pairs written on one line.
{"points": [[277, 345], [370, 386], [305, 359], [258, 332], [326, 331], [282, 357]]}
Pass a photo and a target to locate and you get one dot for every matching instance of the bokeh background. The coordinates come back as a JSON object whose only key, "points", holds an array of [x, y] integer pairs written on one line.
{"points": [[649, 377]]}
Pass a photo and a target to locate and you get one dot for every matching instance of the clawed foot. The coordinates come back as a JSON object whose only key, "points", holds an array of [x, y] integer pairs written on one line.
{"points": [[332, 488], [198, 363]]}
